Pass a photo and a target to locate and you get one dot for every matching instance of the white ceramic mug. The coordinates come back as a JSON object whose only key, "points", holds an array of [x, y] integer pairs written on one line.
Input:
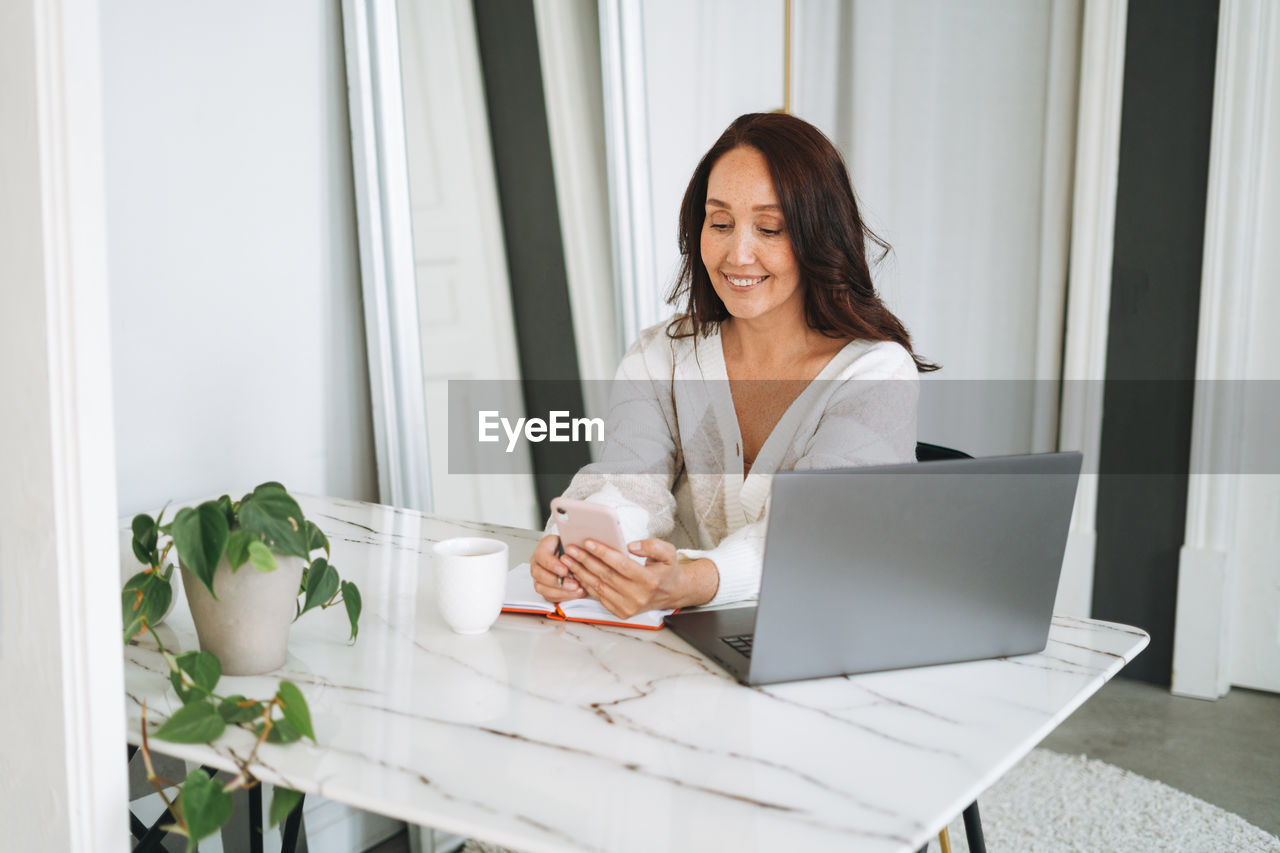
{"points": [[471, 580]]}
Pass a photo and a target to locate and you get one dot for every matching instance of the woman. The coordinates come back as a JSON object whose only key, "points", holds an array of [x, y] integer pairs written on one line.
{"points": [[784, 358]]}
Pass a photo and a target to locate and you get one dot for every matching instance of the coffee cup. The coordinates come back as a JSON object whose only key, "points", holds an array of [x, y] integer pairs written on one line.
{"points": [[471, 580]]}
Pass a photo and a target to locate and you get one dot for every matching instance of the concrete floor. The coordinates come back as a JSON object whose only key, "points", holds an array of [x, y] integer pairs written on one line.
{"points": [[1225, 752]]}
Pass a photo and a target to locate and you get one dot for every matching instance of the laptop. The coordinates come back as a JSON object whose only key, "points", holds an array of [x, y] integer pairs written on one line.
{"points": [[897, 566]]}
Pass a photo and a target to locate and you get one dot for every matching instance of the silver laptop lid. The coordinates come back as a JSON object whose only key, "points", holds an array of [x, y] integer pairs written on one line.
{"points": [[909, 565]]}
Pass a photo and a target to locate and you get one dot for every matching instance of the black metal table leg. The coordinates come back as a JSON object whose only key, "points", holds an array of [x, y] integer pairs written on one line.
{"points": [[154, 837], [973, 829], [255, 819], [137, 827], [289, 843]]}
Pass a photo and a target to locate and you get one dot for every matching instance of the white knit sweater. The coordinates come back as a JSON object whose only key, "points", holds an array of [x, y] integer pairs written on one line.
{"points": [[672, 461]]}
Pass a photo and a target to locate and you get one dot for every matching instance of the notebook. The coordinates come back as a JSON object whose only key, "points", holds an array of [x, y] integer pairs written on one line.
{"points": [[522, 598], [897, 566]]}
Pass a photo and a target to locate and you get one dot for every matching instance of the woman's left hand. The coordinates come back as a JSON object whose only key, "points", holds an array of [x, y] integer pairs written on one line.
{"points": [[625, 587]]}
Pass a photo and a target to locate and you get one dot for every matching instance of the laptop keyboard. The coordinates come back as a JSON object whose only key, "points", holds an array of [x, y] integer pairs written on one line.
{"points": [[740, 644]]}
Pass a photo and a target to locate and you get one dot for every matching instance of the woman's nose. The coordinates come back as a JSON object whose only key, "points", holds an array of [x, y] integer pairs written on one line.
{"points": [[743, 250]]}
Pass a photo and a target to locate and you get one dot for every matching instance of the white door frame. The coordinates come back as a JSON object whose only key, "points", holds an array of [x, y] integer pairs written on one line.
{"points": [[1084, 362], [380, 166], [61, 661], [1233, 231], [626, 121]]}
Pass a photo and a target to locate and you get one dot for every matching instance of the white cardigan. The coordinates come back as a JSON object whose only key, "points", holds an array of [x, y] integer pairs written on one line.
{"points": [[672, 457]]}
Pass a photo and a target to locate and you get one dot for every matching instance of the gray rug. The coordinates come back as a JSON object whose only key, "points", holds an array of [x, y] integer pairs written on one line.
{"points": [[1051, 803]]}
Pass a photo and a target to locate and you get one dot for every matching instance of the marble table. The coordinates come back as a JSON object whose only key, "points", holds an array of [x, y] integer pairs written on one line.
{"points": [[550, 736]]}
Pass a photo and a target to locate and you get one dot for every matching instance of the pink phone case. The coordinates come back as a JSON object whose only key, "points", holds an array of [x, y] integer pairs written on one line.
{"points": [[579, 521]]}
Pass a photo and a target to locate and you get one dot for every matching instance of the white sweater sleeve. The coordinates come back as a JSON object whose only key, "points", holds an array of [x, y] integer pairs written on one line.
{"points": [[640, 457], [739, 559]]}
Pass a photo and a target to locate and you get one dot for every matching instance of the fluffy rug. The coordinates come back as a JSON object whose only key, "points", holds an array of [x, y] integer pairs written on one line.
{"points": [[1051, 803]]}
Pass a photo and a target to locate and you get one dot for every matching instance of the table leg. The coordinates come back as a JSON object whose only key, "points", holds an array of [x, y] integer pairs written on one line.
{"points": [[292, 823], [256, 828], [973, 829], [137, 827], [153, 839]]}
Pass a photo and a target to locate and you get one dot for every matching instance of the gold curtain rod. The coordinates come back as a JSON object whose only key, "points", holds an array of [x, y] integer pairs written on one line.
{"points": [[786, 58]]}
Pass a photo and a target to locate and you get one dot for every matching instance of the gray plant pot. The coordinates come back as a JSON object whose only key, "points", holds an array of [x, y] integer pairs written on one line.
{"points": [[247, 625]]}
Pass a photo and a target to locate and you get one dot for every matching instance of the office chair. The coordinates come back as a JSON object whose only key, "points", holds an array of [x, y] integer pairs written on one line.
{"points": [[926, 452]]}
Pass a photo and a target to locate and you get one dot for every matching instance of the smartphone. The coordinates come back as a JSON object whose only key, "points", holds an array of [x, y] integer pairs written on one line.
{"points": [[579, 521]]}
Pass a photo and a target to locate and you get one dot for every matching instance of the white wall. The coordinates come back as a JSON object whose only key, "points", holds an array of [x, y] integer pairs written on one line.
{"points": [[238, 343]]}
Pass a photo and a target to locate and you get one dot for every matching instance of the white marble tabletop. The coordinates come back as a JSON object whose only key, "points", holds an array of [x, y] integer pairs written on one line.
{"points": [[551, 736]]}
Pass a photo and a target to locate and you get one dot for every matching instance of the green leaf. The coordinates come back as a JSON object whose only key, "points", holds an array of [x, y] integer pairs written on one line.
{"points": [[200, 536], [204, 669], [197, 722], [351, 600], [205, 806], [224, 504], [156, 596], [283, 801], [237, 709], [238, 548], [261, 557], [322, 584], [294, 706], [145, 536], [271, 512], [316, 539], [281, 732]]}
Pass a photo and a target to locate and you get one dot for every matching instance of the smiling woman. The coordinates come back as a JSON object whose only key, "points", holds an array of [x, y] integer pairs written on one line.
{"points": [[787, 360]]}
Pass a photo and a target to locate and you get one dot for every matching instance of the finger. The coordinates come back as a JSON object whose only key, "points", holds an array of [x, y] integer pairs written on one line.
{"points": [[654, 549], [619, 561], [589, 568], [549, 563], [617, 604], [556, 594], [557, 576]]}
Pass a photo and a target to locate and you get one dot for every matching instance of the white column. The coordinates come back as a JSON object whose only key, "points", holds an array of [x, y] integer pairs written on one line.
{"points": [[1089, 287], [1233, 231], [61, 664]]}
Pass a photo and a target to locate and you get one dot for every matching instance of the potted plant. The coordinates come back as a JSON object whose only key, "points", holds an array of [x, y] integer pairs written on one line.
{"points": [[248, 573], [241, 616]]}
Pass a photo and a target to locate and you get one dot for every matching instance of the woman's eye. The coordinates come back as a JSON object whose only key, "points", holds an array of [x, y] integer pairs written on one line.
{"points": [[719, 226], [771, 232]]}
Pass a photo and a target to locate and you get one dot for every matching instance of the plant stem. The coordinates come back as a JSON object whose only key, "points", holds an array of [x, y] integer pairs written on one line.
{"points": [[152, 777]]}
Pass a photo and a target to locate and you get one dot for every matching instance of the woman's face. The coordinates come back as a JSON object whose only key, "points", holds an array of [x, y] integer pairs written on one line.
{"points": [[745, 246]]}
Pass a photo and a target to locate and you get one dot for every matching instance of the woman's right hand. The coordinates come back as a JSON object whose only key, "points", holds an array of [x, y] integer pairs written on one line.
{"points": [[551, 577]]}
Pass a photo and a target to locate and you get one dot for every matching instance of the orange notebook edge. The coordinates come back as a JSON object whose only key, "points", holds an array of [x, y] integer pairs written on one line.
{"points": [[559, 615]]}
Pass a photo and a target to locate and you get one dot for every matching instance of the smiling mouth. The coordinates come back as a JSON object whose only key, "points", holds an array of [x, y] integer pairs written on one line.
{"points": [[744, 283]]}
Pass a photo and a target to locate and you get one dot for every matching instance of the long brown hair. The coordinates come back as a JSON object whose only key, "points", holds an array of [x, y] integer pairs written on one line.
{"points": [[827, 235]]}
